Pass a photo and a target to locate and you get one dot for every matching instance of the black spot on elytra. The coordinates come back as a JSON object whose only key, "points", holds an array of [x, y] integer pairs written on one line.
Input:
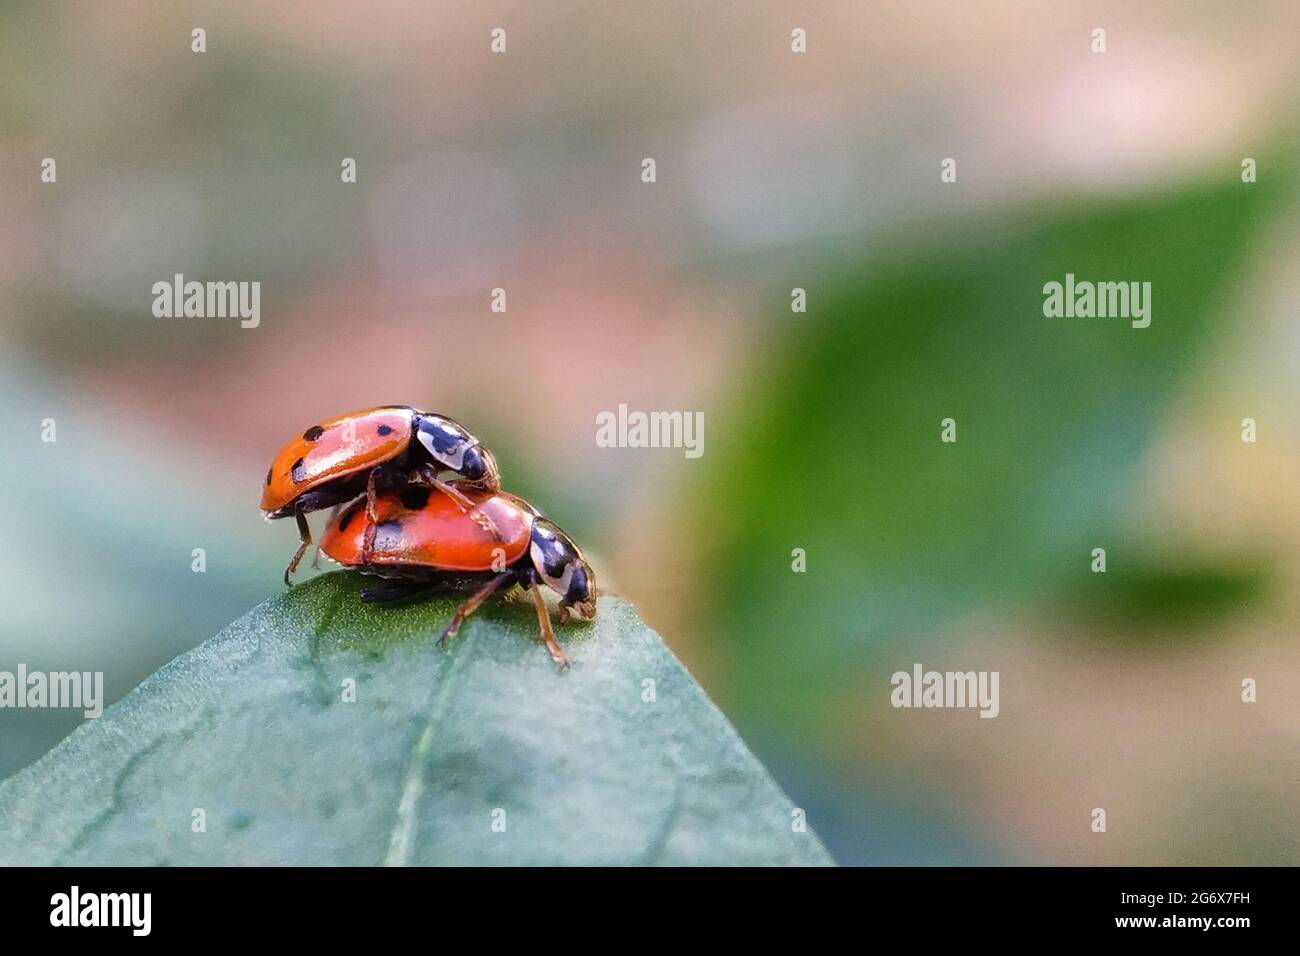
{"points": [[297, 473], [388, 534], [385, 430], [268, 476], [414, 497], [349, 515], [313, 433]]}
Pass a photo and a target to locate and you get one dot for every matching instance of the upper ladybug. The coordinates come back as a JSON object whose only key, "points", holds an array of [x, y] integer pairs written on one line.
{"points": [[367, 451]]}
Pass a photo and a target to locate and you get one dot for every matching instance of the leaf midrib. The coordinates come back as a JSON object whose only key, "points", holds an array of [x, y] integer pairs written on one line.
{"points": [[401, 837]]}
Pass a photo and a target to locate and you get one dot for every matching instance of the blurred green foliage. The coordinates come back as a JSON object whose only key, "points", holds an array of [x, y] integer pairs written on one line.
{"points": [[104, 522], [837, 447], [1148, 600]]}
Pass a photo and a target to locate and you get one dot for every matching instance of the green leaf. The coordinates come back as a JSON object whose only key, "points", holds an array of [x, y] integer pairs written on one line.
{"points": [[252, 728]]}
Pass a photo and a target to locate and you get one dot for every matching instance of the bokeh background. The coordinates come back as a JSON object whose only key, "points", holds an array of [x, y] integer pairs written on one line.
{"points": [[775, 170]]}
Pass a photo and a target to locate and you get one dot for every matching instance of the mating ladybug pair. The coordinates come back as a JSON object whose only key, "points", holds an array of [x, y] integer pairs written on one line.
{"points": [[423, 533]]}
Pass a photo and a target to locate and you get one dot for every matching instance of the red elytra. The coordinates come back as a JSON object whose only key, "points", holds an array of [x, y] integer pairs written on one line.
{"points": [[337, 447], [432, 531]]}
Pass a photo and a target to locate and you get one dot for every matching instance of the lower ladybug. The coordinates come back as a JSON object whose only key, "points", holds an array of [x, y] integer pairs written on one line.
{"points": [[369, 451], [424, 543]]}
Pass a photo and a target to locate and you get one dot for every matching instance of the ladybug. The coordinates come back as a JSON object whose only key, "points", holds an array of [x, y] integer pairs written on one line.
{"points": [[368, 451], [424, 544]]}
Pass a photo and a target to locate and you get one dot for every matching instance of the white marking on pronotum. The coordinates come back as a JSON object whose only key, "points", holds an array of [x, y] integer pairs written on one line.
{"points": [[560, 584], [454, 457]]}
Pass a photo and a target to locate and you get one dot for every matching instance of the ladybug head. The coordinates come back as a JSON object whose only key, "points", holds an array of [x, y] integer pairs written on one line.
{"points": [[479, 466], [561, 567]]}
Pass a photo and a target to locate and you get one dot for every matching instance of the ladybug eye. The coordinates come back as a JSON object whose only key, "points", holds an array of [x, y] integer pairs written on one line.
{"points": [[473, 464]]}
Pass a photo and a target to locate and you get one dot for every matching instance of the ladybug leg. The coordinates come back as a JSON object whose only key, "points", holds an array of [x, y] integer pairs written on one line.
{"points": [[548, 635], [484, 520], [315, 558], [304, 532], [368, 544], [470, 606]]}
